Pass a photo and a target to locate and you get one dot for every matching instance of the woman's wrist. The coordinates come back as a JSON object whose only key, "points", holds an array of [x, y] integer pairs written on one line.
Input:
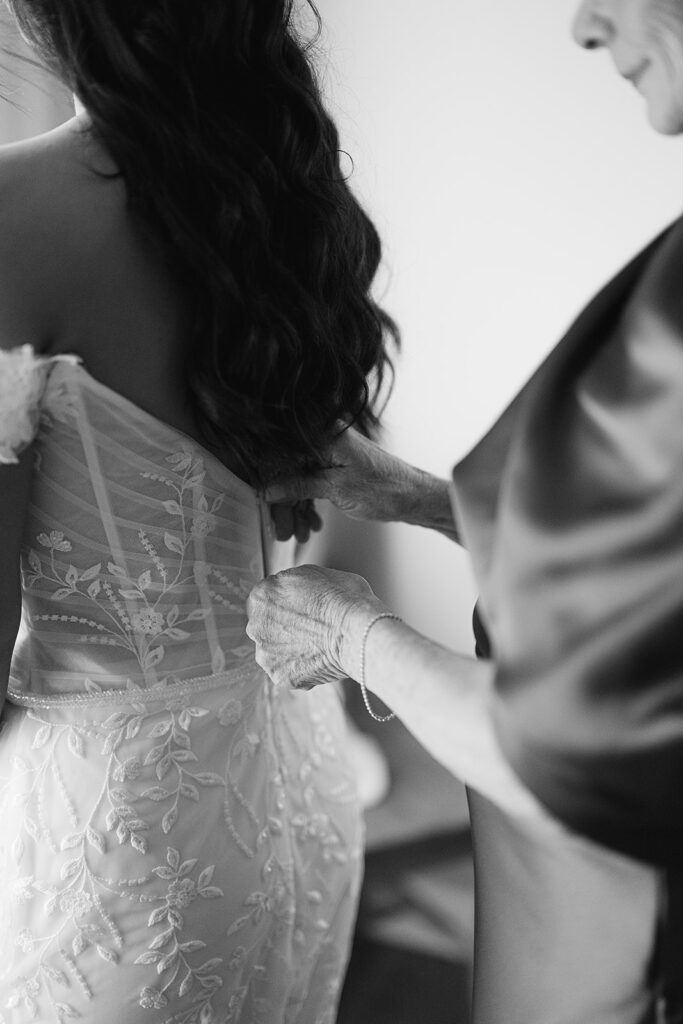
{"points": [[356, 618], [423, 499]]}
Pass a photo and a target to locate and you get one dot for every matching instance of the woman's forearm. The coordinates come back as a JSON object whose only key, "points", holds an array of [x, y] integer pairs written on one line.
{"points": [[424, 500], [310, 626], [444, 699]]}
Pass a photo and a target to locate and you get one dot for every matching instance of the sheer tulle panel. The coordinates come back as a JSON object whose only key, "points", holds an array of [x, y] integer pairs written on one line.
{"points": [[140, 548]]}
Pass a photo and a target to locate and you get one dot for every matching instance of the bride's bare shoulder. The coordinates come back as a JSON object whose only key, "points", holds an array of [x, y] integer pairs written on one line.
{"points": [[35, 179], [47, 226]]}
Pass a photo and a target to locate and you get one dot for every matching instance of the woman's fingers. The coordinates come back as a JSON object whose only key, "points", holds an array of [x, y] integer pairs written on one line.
{"points": [[284, 650], [295, 519], [306, 520], [296, 620], [282, 516], [362, 479], [315, 519]]}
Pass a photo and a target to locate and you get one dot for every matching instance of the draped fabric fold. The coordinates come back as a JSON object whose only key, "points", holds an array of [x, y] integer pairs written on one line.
{"points": [[572, 509]]}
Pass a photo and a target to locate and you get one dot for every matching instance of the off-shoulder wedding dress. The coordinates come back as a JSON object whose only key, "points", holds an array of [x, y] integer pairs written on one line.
{"points": [[180, 842]]}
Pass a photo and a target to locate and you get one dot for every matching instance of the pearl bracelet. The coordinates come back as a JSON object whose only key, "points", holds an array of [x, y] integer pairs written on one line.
{"points": [[363, 643]]}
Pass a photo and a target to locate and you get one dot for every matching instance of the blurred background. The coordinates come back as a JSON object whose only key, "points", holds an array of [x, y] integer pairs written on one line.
{"points": [[510, 174]]}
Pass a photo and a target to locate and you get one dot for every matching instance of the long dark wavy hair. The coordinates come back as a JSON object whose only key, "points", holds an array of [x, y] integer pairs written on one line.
{"points": [[213, 115]]}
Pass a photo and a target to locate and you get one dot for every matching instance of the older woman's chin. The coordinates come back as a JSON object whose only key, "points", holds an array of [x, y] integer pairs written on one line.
{"points": [[665, 124], [665, 117]]}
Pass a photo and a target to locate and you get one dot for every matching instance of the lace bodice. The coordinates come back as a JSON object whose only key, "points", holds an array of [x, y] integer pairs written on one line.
{"points": [[181, 840], [139, 547]]}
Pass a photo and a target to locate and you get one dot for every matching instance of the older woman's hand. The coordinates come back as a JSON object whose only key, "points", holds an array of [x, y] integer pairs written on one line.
{"points": [[365, 482], [307, 624]]}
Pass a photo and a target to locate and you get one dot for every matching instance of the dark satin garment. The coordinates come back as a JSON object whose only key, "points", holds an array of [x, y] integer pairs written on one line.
{"points": [[572, 510]]}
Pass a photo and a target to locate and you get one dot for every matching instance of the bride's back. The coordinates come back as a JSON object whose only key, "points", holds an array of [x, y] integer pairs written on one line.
{"points": [[218, 287], [192, 235], [81, 278], [140, 545]]}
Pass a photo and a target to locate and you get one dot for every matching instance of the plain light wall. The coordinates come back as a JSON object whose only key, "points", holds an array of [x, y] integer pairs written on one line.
{"points": [[510, 174]]}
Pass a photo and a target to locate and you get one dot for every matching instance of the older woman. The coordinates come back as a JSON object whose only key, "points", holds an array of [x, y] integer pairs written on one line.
{"points": [[571, 508]]}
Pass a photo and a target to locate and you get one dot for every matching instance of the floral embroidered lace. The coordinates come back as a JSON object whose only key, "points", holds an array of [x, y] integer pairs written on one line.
{"points": [[180, 842]]}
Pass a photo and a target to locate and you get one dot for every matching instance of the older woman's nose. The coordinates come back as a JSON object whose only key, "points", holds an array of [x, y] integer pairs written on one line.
{"points": [[592, 25]]}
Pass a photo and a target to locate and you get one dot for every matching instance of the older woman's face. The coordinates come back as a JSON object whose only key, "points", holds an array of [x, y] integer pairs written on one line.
{"points": [[645, 40]]}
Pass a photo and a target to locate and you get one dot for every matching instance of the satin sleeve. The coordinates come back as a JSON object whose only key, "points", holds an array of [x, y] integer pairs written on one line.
{"points": [[585, 594], [23, 375]]}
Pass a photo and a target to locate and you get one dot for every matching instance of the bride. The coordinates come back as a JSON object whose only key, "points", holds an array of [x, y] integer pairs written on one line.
{"points": [[184, 315]]}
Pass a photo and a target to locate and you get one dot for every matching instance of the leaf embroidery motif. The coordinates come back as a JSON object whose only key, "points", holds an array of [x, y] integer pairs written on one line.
{"points": [[155, 773]]}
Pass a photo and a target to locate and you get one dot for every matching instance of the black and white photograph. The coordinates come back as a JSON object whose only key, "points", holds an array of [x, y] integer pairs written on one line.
{"points": [[341, 512]]}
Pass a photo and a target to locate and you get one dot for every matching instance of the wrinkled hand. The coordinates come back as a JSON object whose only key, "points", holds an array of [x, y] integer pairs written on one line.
{"points": [[307, 623], [363, 480]]}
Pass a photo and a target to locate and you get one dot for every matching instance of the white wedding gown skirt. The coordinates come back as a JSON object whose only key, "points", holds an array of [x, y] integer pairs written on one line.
{"points": [[180, 842]]}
